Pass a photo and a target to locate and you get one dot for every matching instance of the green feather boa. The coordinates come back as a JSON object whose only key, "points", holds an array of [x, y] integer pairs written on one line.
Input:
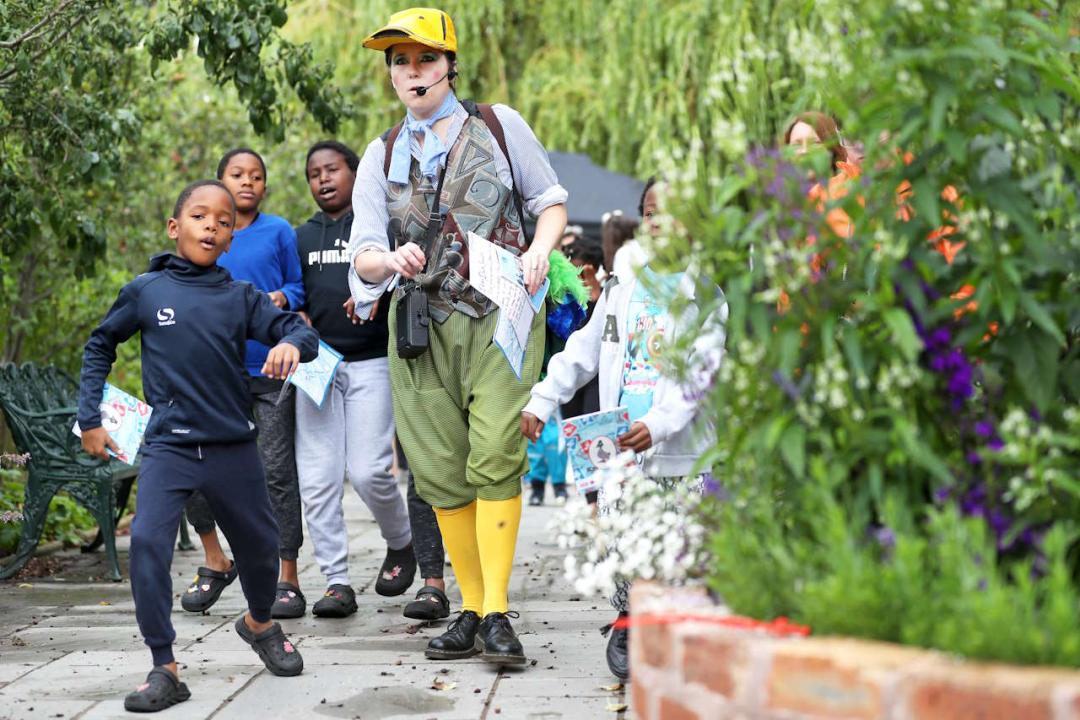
{"points": [[565, 279]]}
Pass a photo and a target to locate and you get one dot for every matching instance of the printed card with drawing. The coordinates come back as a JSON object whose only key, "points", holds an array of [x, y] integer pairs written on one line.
{"points": [[591, 445], [314, 377], [496, 273], [125, 418]]}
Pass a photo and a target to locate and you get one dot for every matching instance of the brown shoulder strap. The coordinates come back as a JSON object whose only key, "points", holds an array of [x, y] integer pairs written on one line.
{"points": [[487, 114], [390, 137]]}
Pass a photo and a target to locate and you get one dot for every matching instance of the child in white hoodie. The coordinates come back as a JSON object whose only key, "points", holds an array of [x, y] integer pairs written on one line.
{"points": [[631, 326]]}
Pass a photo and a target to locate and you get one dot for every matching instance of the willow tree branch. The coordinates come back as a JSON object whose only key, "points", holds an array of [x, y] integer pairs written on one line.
{"points": [[32, 32], [53, 42]]}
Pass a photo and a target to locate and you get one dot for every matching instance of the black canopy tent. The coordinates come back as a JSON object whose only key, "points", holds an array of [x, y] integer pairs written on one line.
{"points": [[594, 191]]}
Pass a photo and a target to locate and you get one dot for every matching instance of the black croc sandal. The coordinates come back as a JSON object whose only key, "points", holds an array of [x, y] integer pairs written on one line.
{"points": [[397, 572], [431, 603], [278, 654], [207, 588], [339, 601], [290, 602], [161, 690]]}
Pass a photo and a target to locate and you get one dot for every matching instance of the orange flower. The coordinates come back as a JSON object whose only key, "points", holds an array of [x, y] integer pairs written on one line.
{"points": [[964, 293]]}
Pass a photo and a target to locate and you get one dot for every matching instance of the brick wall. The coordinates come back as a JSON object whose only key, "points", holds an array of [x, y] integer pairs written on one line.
{"points": [[697, 670]]}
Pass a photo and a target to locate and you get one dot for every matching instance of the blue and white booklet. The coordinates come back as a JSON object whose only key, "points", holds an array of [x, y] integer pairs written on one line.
{"points": [[125, 418], [314, 377], [496, 273], [591, 444]]}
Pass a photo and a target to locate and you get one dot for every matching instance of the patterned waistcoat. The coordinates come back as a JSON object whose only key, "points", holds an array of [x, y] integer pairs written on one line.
{"points": [[476, 201]]}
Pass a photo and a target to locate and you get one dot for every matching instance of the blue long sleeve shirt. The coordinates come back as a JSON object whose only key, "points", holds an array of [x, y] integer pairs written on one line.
{"points": [[265, 255], [193, 321]]}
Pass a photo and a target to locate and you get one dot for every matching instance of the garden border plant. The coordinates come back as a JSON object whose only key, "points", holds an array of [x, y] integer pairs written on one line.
{"points": [[899, 408]]}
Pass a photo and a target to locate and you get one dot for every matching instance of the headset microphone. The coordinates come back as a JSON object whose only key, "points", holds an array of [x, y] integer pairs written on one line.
{"points": [[422, 91]]}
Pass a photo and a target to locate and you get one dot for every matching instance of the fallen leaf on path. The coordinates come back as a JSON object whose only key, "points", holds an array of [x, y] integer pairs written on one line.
{"points": [[616, 707], [104, 602], [612, 688], [439, 684], [25, 586]]}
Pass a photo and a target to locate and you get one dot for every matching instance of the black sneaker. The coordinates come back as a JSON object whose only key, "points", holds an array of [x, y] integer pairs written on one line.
{"points": [[161, 690], [537, 495], [618, 647], [397, 572], [339, 601], [497, 640], [459, 640], [290, 602]]}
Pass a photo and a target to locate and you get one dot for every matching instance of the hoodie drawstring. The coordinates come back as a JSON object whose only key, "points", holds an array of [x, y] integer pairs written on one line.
{"points": [[322, 243], [199, 448]]}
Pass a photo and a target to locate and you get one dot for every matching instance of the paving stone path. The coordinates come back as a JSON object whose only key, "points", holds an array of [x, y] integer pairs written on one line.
{"points": [[69, 647]]}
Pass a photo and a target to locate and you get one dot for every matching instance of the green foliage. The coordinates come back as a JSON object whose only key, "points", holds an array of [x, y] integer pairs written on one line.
{"points": [[65, 519], [867, 374], [81, 106], [931, 581]]}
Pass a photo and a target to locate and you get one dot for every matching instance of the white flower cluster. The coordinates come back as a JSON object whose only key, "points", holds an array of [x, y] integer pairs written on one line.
{"points": [[818, 58], [894, 378], [1038, 453], [646, 529], [741, 371], [831, 382]]}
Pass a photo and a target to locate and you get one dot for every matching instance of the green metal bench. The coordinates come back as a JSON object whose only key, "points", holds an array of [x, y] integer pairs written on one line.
{"points": [[39, 404]]}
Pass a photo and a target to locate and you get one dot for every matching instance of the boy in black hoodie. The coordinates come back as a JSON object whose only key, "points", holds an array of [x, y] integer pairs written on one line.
{"points": [[352, 432], [194, 321]]}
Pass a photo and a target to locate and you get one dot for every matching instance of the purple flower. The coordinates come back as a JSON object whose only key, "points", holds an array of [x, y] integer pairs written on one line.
{"points": [[712, 487], [971, 503], [984, 429], [973, 458], [943, 493], [786, 385], [884, 536], [995, 444]]}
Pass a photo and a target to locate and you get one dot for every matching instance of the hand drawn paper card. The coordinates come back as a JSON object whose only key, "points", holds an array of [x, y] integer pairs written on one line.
{"points": [[591, 444], [125, 418], [314, 377]]}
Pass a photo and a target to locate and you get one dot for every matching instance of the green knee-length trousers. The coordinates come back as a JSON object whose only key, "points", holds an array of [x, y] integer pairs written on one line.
{"points": [[458, 408]]}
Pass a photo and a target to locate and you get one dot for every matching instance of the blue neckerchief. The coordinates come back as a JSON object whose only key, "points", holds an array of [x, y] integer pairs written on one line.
{"points": [[433, 151]]}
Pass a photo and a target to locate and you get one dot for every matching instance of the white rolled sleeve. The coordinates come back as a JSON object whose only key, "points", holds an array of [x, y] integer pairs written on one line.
{"points": [[533, 175], [370, 218]]}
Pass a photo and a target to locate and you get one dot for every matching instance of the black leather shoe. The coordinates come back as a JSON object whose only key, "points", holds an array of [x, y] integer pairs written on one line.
{"points": [[497, 640], [459, 640], [618, 649]]}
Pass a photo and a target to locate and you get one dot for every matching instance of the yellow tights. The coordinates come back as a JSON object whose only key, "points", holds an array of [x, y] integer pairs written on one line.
{"points": [[483, 575]]}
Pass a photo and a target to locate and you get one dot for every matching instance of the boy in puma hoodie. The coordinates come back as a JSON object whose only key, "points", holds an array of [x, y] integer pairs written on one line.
{"points": [[352, 432]]}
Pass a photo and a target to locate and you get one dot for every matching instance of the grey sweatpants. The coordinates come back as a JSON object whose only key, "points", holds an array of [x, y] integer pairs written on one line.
{"points": [[351, 435]]}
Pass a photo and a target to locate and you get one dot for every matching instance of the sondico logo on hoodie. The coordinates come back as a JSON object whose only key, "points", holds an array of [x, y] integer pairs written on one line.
{"points": [[165, 317]]}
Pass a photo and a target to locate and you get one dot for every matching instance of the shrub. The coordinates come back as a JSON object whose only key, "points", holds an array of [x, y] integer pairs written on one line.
{"points": [[899, 409]]}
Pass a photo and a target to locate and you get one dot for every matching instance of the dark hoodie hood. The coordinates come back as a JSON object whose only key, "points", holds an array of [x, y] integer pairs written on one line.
{"points": [[186, 271]]}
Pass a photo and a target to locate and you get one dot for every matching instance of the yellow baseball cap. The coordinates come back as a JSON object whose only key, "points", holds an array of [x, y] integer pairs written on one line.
{"points": [[426, 26]]}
